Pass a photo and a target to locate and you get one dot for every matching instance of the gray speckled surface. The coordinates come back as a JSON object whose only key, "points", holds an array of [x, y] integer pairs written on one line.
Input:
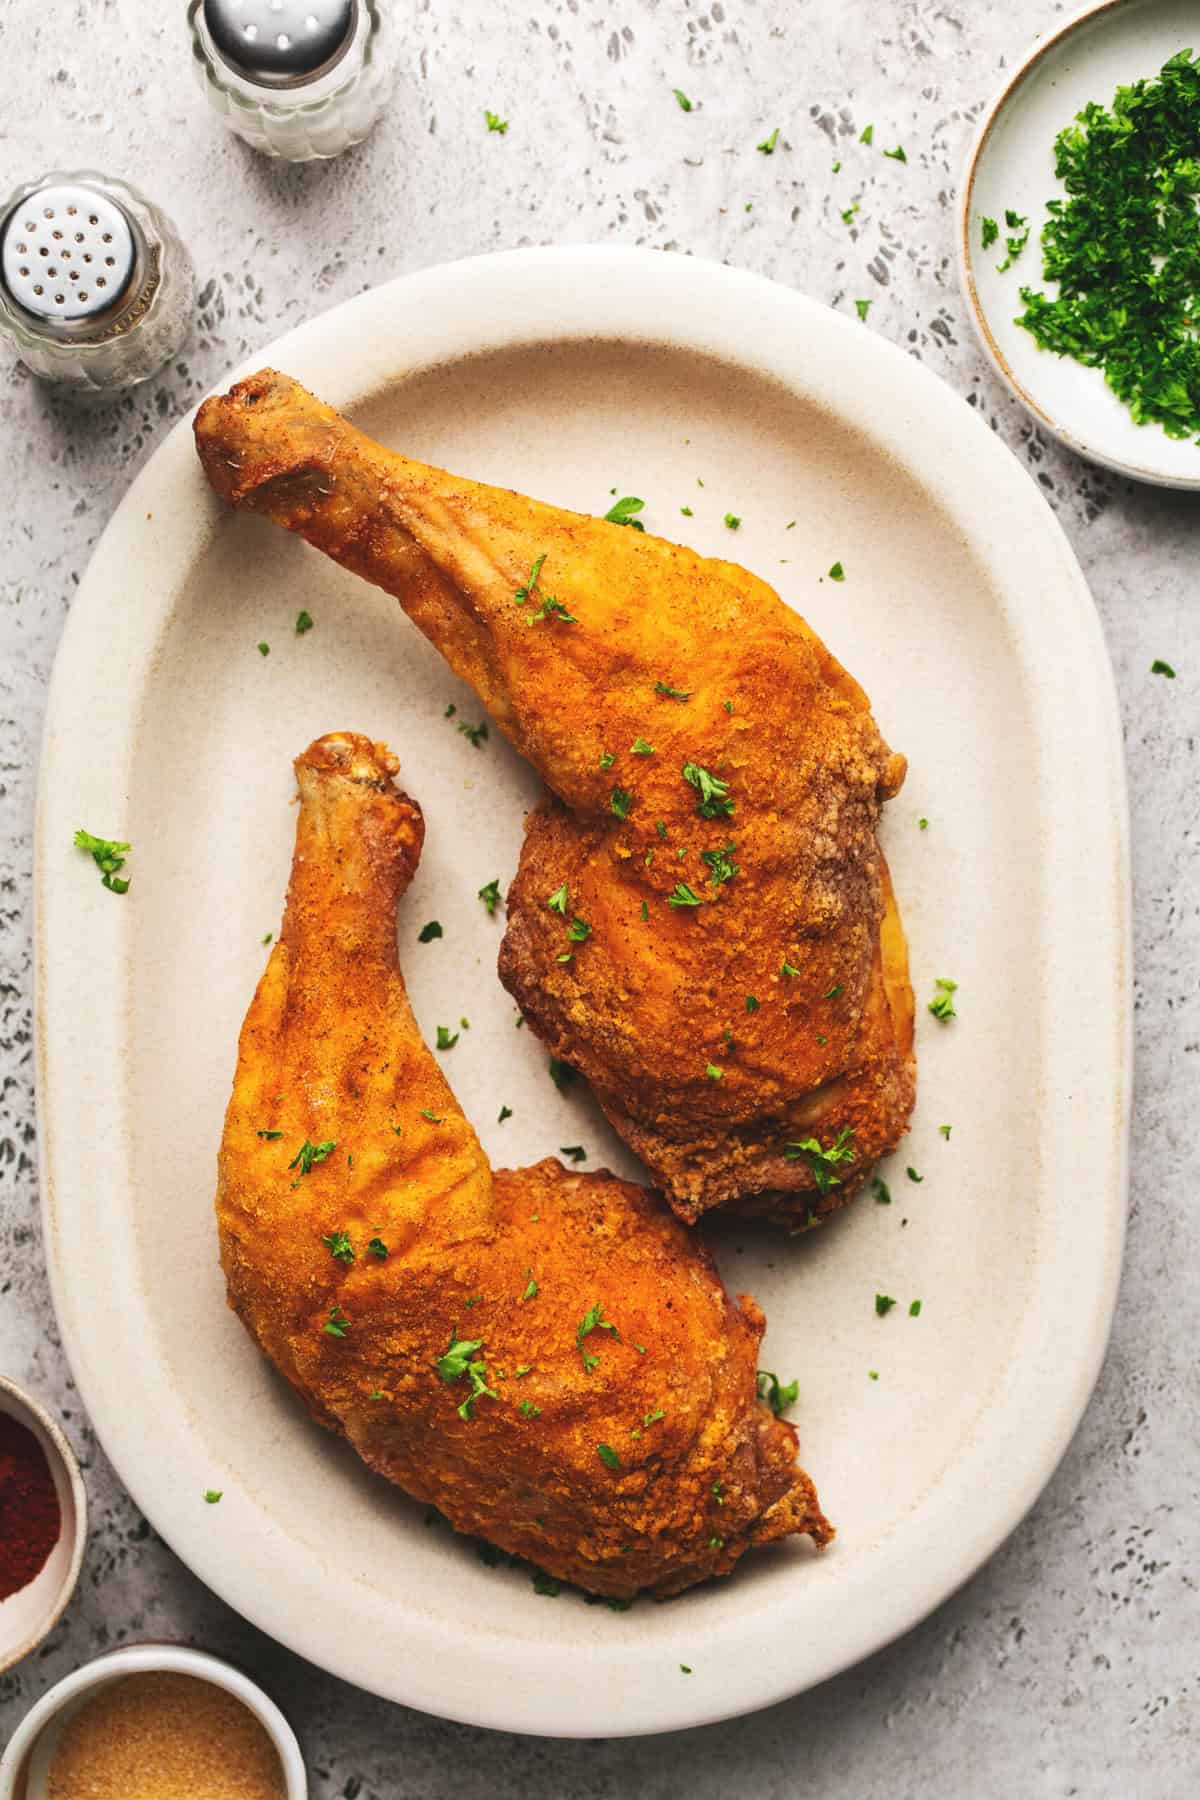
{"points": [[1068, 1666]]}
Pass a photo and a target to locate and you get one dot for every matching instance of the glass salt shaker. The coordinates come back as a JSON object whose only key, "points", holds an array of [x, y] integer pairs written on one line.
{"points": [[96, 289], [300, 79]]}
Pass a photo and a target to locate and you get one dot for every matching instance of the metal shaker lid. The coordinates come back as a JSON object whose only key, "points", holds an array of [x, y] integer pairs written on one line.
{"points": [[69, 253], [281, 43]]}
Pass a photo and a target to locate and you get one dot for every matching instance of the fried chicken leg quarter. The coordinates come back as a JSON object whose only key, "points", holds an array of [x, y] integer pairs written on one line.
{"points": [[736, 989], [549, 1358]]}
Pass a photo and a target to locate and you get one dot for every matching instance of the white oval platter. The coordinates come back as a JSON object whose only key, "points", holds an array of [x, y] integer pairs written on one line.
{"points": [[571, 374]]}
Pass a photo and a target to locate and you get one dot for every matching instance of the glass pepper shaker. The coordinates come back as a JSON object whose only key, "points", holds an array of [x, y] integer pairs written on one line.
{"points": [[300, 79], [96, 289]]}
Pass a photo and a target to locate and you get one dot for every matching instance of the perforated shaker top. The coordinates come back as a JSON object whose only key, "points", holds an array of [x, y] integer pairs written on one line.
{"points": [[280, 40], [69, 253]]}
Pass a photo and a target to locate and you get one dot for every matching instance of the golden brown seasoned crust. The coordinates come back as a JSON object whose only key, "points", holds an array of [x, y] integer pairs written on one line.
{"points": [[402, 1238], [776, 979]]}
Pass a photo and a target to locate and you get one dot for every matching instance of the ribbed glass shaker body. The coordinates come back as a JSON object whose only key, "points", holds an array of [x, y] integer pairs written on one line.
{"points": [[308, 116], [96, 289]]}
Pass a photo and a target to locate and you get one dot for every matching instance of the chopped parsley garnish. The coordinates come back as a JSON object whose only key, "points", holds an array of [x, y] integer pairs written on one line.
{"points": [[714, 802], [434, 1118], [834, 991], [309, 1155], [561, 1073], [768, 144], [621, 512], [457, 1361], [874, 1374], [621, 800], [450, 711], [474, 734], [645, 910], [528, 1410], [836, 572], [687, 512], [683, 896], [914, 1311], [339, 1246], [578, 931], [912, 1174], [897, 155], [881, 1191], [269, 1134], [752, 1003], [607, 759], [883, 1304], [506, 1112], [942, 1004], [1159, 667], [713, 1072], [489, 893], [550, 608], [733, 521], [868, 132], [559, 900], [212, 1495], [670, 693], [337, 1324], [608, 1456], [945, 1131], [652, 1418], [989, 231], [862, 308], [495, 122], [109, 856], [722, 867], [850, 211], [576, 1152], [531, 1288], [778, 1395], [428, 932], [592, 1320], [824, 1162], [267, 936], [683, 1669], [640, 747], [788, 969], [446, 1039], [525, 591], [685, 104], [1016, 241], [263, 649], [377, 1248], [923, 824], [303, 623]]}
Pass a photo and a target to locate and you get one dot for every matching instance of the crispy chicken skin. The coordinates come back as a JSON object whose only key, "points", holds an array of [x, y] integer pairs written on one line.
{"points": [[790, 976], [402, 1238]]}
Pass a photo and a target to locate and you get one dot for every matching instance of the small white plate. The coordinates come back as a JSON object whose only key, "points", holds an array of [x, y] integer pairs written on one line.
{"points": [[1011, 166], [568, 374]]}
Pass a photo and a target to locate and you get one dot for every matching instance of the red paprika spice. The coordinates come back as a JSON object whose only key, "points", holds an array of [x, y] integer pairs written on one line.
{"points": [[30, 1520]]}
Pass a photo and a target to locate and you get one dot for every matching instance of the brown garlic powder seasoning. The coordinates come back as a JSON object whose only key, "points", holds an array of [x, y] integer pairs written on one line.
{"points": [[160, 1736]]}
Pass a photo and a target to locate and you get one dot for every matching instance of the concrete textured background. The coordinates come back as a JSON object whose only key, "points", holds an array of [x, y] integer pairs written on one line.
{"points": [[1068, 1665]]}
